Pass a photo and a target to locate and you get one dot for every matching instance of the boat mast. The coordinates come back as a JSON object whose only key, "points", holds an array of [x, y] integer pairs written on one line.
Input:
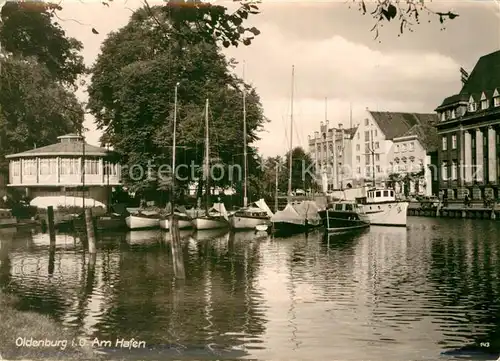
{"points": [[174, 144], [373, 157], [276, 188], [207, 159], [291, 136], [245, 197]]}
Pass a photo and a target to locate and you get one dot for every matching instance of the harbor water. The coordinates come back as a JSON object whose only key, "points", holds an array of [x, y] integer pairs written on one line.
{"points": [[430, 291]]}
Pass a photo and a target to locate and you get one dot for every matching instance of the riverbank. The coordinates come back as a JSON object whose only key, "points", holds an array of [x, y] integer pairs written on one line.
{"points": [[21, 326]]}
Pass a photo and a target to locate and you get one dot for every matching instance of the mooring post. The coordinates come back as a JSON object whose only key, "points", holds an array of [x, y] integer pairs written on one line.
{"points": [[89, 223], [176, 247], [52, 231]]}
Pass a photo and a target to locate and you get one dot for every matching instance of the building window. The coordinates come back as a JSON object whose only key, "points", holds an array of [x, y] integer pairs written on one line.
{"points": [[472, 106], [444, 170], [91, 166], [397, 149], [29, 167], [358, 158], [377, 146], [484, 104], [358, 147], [412, 146], [378, 169], [454, 141], [367, 136], [496, 101], [16, 167], [367, 122], [358, 170], [377, 157], [453, 115], [443, 116], [358, 135], [44, 167], [367, 160], [405, 147], [454, 168], [444, 143]]}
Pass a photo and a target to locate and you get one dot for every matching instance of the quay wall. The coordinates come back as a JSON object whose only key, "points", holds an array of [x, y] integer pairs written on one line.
{"points": [[456, 210]]}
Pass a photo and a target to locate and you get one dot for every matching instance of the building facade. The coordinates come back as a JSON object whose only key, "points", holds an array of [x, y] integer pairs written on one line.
{"points": [[394, 145], [331, 152], [469, 131], [57, 170]]}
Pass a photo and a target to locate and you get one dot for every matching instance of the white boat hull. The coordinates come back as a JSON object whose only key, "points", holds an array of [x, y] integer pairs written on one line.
{"points": [[209, 223], [238, 222], [138, 222], [183, 224], [387, 214]]}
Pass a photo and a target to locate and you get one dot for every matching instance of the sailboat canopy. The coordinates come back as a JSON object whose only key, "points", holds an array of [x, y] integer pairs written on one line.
{"points": [[218, 209], [288, 215], [261, 204], [308, 210]]}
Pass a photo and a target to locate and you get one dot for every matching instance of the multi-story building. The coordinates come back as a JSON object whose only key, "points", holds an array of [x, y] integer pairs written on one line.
{"points": [[57, 170], [331, 151], [389, 143], [469, 131]]}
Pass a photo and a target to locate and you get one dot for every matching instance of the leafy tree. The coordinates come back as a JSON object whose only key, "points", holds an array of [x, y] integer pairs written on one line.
{"points": [[29, 29], [132, 98], [34, 110], [195, 21], [408, 12], [302, 171], [37, 63]]}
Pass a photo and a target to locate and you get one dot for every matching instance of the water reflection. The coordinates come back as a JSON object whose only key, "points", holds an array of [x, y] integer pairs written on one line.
{"points": [[392, 293]]}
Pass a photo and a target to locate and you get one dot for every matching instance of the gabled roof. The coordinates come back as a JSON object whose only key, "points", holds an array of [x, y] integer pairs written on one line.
{"points": [[74, 148], [395, 124], [485, 75], [427, 136], [485, 78], [351, 131]]}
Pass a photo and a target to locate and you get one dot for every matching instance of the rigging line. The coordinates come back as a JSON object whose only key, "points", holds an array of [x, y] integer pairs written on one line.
{"points": [[286, 131]]}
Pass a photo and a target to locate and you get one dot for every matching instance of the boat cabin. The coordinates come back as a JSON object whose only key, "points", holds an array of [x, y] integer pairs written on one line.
{"points": [[5, 213], [378, 196], [251, 212], [345, 207]]}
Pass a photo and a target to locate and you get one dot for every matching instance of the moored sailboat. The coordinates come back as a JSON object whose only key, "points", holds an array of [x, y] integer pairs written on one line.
{"points": [[143, 220], [184, 221], [215, 217], [251, 217], [297, 217]]}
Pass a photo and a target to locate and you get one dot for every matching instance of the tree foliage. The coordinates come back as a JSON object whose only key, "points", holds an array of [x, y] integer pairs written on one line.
{"points": [[34, 109], [303, 171], [30, 29], [408, 12], [37, 63], [132, 96]]}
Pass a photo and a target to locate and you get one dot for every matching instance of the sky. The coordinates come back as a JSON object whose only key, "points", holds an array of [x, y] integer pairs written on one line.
{"points": [[339, 66]]}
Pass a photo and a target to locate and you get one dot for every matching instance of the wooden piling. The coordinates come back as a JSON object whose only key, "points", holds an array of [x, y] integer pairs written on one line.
{"points": [[89, 223], [176, 247], [51, 226]]}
